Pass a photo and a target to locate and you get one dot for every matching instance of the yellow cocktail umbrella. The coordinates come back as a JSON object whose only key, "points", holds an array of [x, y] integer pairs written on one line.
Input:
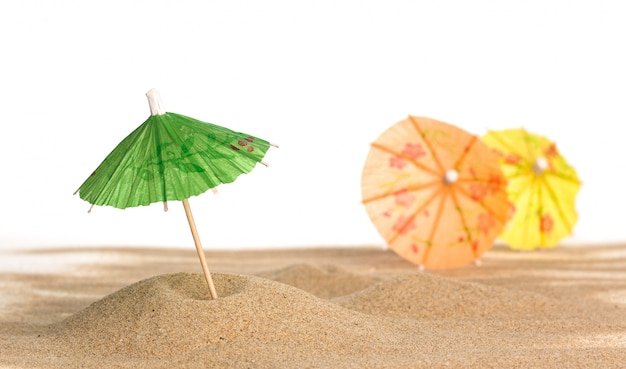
{"points": [[542, 189]]}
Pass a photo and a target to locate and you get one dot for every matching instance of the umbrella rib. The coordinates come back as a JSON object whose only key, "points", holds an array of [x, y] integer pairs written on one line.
{"points": [[468, 147], [406, 157], [573, 180], [427, 142], [558, 205], [457, 205], [161, 159], [496, 135], [514, 199], [528, 147], [482, 204], [435, 226], [474, 179], [121, 164], [540, 202], [529, 207], [517, 175], [419, 210], [410, 189]]}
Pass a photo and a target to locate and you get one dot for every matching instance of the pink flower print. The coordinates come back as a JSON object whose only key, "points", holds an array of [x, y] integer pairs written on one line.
{"points": [[475, 245], [404, 198], [396, 162], [498, 153], [495, 182], [551, 151], [485, 223], [414, 248], [472, 172], [478, 191], [546, 224], [244, 143], [414, 150], [402, 226], [387, 214], [512, 159], [512, 210]]}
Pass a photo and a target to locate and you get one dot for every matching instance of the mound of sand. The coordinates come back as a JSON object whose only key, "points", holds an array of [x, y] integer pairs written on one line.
{"points": [[315, 315], [428, 296], [172, 315], [324, 281]]}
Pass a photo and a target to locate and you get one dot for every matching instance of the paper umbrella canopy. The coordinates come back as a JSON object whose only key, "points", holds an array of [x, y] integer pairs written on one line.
{"points": [[434, 192], [542, 188], [171, 157]]}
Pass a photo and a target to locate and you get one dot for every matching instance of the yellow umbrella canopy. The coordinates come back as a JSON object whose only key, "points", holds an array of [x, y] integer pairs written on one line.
{"points": [[542, 189]]}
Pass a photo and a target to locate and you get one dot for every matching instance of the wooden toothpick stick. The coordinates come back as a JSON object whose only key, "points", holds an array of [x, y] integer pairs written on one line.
{"points": [[196, 240]]}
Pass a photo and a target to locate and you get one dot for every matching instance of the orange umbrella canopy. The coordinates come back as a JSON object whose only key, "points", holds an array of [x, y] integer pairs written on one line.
{"points": [[435, 193]]}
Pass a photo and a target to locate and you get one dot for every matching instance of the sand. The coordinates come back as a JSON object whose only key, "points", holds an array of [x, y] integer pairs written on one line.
{"points": [[312, 308]]}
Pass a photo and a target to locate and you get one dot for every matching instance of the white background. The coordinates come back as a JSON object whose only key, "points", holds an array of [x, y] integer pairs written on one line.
{"points": [[321, 78]]}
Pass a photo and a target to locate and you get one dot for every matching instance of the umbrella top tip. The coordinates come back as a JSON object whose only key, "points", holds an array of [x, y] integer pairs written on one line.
{"points": [[540, 165], [156, 104], [450, 177]]}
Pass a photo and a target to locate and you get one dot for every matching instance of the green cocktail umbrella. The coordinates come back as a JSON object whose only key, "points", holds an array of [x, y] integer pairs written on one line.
{"points": [[172, 157]]}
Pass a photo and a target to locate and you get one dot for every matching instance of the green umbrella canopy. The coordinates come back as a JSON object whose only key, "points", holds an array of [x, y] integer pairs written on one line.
{"points": [[171, 157]]}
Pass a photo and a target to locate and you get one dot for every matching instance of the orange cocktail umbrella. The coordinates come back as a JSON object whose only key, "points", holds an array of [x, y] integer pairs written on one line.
{"points": [[435, 193]]}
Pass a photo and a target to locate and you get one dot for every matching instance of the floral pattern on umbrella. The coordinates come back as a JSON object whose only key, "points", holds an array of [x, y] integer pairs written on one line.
{"points": [[542, 188], [171, 157], [434, 192]]}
